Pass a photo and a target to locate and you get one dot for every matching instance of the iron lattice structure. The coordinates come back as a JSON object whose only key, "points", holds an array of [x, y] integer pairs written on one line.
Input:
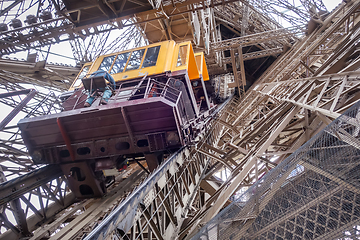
{"points": [[312, 194], [48, 25], [308, 86], [53, 22]]}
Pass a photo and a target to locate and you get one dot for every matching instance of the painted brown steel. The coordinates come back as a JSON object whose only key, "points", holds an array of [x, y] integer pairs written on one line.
{"points": [[30, 94], [66, 138]]}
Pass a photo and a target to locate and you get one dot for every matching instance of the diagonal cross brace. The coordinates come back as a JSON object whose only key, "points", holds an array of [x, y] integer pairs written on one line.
{"points": [[30, 94]]}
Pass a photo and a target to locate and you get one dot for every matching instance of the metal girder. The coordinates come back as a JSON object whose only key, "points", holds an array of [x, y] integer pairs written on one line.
{"points": [[51, 202], [43, 188], [254, 39], [291, 66], [40, 73], [277, 119], [76, 213], [94, 21], [95, 208], [257, 142], [234, 68], [30, 94], [296, 196], [258, 54], [55, 31], [11, 6], [71, 27], [47, 30], [17, 187], [43, 102], [296, 110], [190, 20], [154, 210], [273, 117], [301, 94], [318, 97]]}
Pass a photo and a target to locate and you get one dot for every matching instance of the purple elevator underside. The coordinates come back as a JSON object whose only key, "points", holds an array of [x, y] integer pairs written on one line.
{"points": [[149, 123], [146, 117]]}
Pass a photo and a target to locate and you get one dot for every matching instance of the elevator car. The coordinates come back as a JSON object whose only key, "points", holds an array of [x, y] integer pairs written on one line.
{"points": [[159, 97]]}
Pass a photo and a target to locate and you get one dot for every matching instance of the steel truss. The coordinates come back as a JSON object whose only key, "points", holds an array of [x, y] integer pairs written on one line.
{"points": [[31, 198], [184, 193], [313, 194], [274, 118], [297, 97], [38, 37], [89, 38]]}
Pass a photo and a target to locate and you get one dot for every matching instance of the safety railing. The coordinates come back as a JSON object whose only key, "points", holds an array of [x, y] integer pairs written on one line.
{"points": [[138, 89], [173, 90]]}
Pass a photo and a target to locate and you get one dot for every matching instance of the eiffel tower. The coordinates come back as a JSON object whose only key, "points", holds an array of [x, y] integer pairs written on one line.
{"points": [[277, 159]]}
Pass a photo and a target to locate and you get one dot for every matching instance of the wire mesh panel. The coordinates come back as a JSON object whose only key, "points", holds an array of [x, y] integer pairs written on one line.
{"points": [[313, 194]]}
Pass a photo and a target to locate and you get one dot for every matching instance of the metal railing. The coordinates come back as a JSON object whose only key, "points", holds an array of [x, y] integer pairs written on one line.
{"points": [[137, 89]]}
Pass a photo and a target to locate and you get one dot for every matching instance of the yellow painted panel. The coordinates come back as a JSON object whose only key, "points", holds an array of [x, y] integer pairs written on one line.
{"points": [[168, 59], [163, 62], [166, 62], [200, 61], [192, 67], [189, 64]]}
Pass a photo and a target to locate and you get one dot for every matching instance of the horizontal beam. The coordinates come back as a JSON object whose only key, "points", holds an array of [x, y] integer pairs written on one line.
{"points": [[17, 187], [254, 39], [325, 112], [257, 54]]}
